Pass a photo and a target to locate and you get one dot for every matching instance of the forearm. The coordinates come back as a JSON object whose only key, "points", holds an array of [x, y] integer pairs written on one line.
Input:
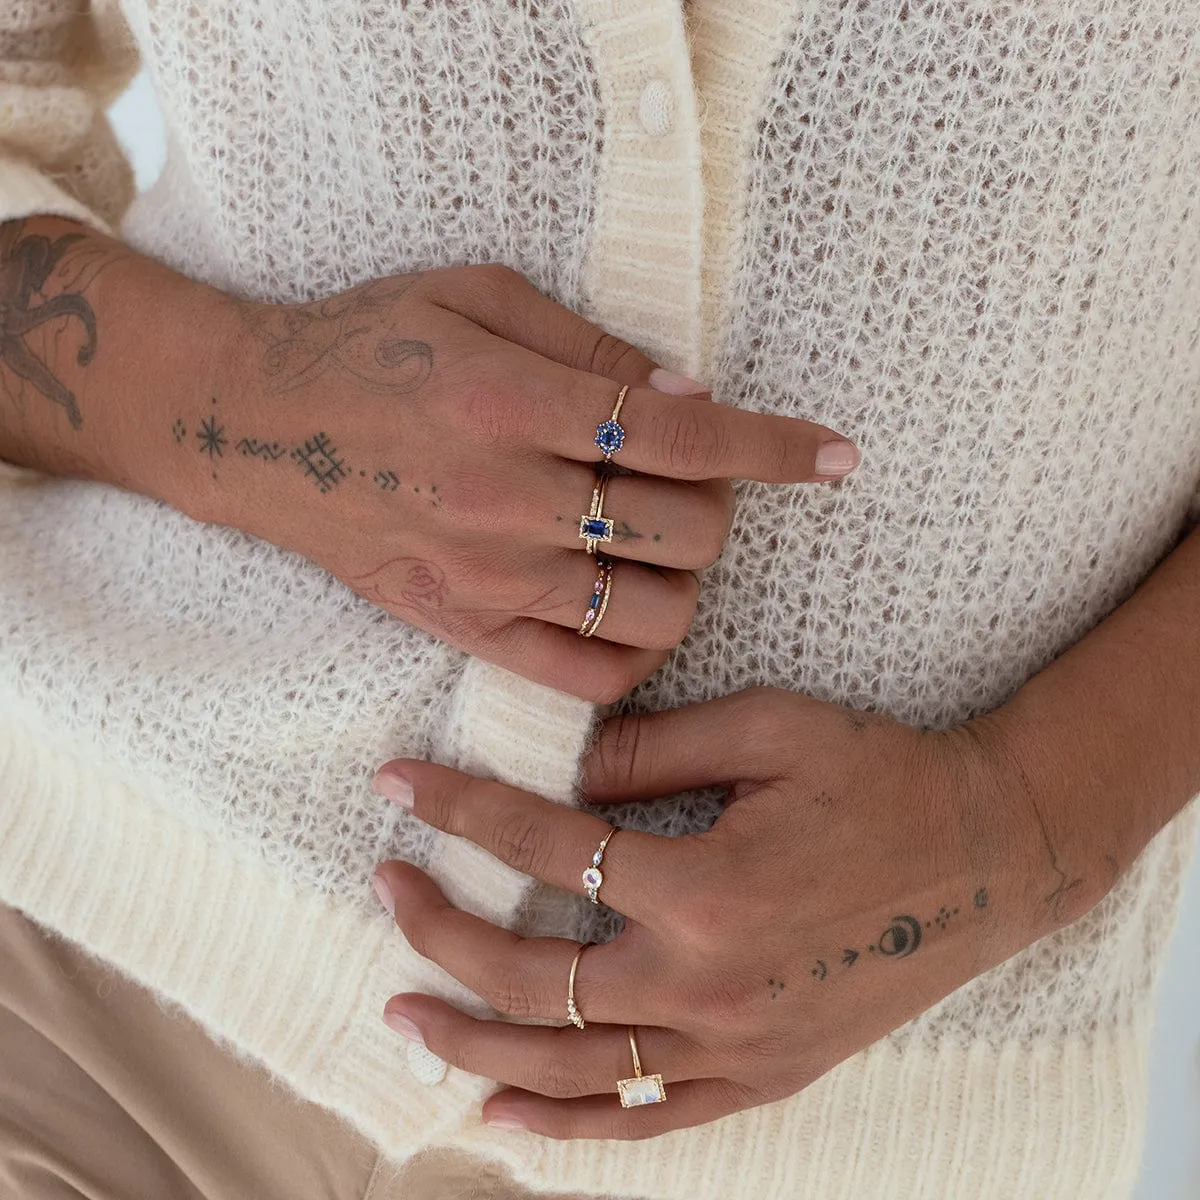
{"points": [[1106, 740], [93, 340]]}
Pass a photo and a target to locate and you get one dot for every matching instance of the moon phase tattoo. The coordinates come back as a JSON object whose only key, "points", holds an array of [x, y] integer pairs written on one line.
{"points": [[902, 938]]}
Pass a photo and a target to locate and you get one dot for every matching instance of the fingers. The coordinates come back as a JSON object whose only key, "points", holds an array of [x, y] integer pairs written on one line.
{"points": [[525, 978], [539, 401], [671, 523], [648, 607], [686, 437], [643, 875], [557, 1061], [736, 738], [691, 1102], [591, 668]]}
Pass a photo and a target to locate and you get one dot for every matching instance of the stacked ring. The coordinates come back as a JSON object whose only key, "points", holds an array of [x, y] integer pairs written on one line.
{"points": [[573, 1013], [594, 526], [610, 435], [598, 604]]}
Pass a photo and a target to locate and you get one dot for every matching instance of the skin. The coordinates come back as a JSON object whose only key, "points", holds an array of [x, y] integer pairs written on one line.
{"points": [[861, 872], [426, 438]]}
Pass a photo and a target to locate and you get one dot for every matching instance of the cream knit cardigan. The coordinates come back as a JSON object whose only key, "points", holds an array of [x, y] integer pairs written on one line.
{"points": [[964, 232]]}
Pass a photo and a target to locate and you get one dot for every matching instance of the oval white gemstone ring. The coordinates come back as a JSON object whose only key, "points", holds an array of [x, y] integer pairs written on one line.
{"points": [[593, 877]]}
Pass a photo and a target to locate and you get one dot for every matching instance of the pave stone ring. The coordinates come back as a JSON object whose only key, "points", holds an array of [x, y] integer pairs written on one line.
{"points": [[610, 434]]}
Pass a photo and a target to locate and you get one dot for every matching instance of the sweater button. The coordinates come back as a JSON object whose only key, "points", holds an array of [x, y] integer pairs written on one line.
{"points": [[656, 108]]}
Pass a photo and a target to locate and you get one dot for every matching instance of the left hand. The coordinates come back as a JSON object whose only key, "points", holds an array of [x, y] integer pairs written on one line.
{"points": [[861, 872]]}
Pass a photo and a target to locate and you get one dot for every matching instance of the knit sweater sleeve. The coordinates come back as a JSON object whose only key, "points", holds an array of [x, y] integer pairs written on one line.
{"points": [[61, 64]]}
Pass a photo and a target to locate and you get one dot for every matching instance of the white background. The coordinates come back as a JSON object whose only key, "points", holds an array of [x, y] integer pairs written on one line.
{"points": [[1172, 1164]]}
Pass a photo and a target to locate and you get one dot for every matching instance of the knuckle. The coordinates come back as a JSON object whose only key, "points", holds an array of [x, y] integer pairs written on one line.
{"points": [[507, 992], [491, 412], [419, 933], [690, 444], [716, 522], [614, 680], [493, 282], [522, 843], [729, 999], [559, 1079], [618, 754], [606, 354], [674, 621]]}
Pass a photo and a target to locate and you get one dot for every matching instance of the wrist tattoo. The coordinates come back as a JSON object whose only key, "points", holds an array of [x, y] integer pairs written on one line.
{"points": [[30, 264]]}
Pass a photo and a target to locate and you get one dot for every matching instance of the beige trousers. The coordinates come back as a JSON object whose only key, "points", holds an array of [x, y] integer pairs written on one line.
{"points": [[106, 1095]]}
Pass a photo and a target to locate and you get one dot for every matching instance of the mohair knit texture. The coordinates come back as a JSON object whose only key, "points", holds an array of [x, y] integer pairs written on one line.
{"points": [[964, 234]]}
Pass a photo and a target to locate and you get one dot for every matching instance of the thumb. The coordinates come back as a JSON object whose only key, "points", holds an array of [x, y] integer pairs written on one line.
{"points": [[717, 744]]}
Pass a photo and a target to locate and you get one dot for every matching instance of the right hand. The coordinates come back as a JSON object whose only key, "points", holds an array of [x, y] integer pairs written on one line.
{"points": [[428, 438]]}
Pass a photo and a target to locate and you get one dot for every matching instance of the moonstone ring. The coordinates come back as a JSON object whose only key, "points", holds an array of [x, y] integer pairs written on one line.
{"points": [[593, 877], [641, 1089]]}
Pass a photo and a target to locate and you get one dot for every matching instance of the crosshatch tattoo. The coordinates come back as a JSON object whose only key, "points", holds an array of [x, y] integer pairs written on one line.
{"points": [[902, 938], [29, 265], [321, 464], [353, 334]]}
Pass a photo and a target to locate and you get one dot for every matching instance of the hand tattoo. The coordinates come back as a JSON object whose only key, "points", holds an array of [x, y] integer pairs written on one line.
{"points": [[900, 939], [353, 334]]}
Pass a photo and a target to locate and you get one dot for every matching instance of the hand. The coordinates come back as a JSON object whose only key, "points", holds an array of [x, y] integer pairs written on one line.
{"points": [[428, 438], [861, 872]]}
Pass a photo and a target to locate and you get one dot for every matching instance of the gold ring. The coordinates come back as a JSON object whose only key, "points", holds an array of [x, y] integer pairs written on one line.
{"points": [[573, 1013], [641, 1089], [610, 434], [598, 604], [594, 526], [593, 877]]}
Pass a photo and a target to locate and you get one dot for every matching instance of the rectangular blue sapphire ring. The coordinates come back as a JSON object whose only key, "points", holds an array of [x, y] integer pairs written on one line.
{"points": [[594, 526]]}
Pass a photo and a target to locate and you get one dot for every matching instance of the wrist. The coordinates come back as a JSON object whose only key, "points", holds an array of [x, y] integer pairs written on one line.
{"points": [[199, 325], [1049, 804]]}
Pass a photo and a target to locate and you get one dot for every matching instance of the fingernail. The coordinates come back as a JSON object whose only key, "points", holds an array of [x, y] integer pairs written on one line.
{"points": [[504, 1121], [671, 381], [384, 893], [836, 458], [397, 790], [403, 1026]]}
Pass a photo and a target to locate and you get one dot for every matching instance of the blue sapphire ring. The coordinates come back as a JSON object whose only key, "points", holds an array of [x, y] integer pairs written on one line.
{"points": [[610, 435], [594, 526]]}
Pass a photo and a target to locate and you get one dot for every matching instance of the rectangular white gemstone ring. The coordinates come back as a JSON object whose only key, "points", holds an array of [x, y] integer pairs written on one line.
{"points": [[642, 1089]]}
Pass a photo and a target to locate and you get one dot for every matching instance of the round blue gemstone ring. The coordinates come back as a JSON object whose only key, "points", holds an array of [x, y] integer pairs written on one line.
{"points": [[610, 434]]}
